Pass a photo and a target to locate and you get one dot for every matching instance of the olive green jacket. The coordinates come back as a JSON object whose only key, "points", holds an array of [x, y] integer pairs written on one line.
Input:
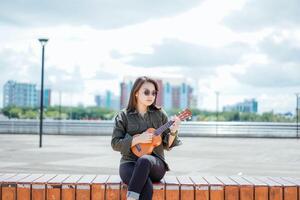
{"points": [[127, 124]]}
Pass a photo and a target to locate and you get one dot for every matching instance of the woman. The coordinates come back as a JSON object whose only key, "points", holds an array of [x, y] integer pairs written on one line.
{"points": [[141, 114]]}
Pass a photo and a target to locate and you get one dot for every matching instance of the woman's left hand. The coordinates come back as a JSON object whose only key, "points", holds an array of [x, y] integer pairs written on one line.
{"points": [[175, 126]]}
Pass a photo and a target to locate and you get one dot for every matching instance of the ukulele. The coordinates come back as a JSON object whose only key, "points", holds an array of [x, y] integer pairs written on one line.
{"points": [[147, 148]]}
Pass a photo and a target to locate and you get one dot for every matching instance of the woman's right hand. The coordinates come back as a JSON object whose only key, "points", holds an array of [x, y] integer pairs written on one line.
{"points": [[145, 137]]}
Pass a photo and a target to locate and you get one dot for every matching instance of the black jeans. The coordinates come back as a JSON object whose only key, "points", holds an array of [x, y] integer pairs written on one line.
{"points": [[139, 175]]}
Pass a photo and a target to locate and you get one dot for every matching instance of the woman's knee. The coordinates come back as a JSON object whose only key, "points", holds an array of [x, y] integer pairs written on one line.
{"points": [[145, 160]]}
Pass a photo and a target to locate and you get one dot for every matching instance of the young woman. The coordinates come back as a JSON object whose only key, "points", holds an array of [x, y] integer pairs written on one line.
{"points": [[142, 113]]}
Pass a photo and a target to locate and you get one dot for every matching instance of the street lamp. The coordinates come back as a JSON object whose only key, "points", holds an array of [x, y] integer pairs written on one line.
{"points": [[43, 42], [297, 111]]}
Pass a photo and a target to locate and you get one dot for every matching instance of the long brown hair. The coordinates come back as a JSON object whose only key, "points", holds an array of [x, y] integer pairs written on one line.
{"points": [[135, 88]]}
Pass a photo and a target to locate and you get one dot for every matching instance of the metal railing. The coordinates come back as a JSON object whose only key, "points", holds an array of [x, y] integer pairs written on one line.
{"points": [[204, 129]]}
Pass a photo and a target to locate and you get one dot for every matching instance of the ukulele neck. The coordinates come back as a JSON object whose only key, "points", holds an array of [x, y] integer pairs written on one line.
{"points": [[164, 127]]}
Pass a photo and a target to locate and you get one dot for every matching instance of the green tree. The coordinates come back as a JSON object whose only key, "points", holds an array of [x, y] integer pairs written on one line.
{"points": [[30, 114], [92, 112], [52, 114], [15, 112], [267, 117]]}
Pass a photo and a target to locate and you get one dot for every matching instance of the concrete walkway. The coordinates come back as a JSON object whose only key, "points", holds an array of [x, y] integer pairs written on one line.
{"points": [[197, 156]]}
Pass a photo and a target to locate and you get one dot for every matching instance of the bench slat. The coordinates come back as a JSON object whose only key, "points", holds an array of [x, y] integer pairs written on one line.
{"points": [[172, 188], [98, 187], [159, 190], [186, 188], [69, 187], [113, 187]]}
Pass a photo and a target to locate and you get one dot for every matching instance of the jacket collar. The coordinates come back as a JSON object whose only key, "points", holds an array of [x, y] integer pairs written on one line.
{"points": [[136, 112]]}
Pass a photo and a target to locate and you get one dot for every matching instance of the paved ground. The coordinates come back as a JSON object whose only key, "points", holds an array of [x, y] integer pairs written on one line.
{"points": [[197, 156]]}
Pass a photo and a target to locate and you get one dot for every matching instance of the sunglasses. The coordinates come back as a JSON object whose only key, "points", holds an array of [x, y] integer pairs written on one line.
{"points": [[147, 92]]}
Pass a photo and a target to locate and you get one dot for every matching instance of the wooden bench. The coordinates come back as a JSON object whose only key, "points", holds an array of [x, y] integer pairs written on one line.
{"points": [[105, 187]]}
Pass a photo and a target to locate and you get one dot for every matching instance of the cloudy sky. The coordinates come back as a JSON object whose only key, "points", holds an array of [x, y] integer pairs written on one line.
{"points": [[243, 49]]}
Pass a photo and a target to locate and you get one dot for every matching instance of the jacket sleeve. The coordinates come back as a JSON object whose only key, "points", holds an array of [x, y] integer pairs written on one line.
{"points": [[121, 141], [165, 135]]}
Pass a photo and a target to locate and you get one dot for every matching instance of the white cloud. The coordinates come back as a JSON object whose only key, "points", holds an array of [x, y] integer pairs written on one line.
{"points": [[85, 55], [257, 14], [98, 13]]}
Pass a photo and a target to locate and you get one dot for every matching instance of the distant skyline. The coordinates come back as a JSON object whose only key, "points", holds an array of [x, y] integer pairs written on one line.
{"points": [[243, 49]]}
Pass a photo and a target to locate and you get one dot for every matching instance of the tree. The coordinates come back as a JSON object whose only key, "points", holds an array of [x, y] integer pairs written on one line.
{"points": [[15, 112], [30, 114]]}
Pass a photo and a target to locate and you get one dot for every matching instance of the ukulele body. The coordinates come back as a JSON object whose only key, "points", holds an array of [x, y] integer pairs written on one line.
{"points": [[146, 148]]}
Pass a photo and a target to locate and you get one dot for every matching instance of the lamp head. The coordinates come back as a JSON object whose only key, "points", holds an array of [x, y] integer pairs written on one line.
{"points": [[43, 41]]}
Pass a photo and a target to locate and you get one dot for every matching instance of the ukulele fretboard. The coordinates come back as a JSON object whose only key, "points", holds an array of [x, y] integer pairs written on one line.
{"points": [[164, 127]]}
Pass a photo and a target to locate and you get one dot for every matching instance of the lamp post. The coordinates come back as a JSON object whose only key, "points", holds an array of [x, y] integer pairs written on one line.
{"points": [[43, 42], [297, 112]]}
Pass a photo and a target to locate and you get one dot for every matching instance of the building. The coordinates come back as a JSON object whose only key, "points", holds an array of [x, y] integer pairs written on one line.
{"points": [[47, 97], [126, 86], [167, 96], [108, 100], [160, 94], [98, 100], [23, 95], [175, 97], [248, 106], [178, 96], [19, 94]]}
